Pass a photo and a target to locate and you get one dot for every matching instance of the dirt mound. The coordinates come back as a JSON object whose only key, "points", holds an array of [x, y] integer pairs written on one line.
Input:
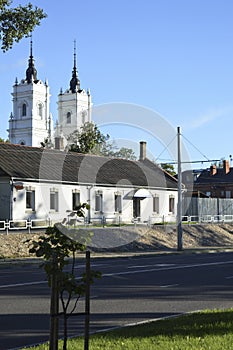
{"points": [[141, 238]]}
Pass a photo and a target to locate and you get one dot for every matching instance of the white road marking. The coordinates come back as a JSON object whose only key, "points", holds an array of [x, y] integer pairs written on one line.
{"points": [[22, 284], [151, 265], [131, 272], [77, 266], [168, 268], [169, 285]]}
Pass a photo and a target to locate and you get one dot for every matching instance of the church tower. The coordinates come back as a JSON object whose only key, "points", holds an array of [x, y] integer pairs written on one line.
{"points": [[74, 105], [30, 122]]}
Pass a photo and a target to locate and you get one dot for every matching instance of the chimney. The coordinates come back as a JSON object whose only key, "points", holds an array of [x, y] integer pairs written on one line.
{"points": [[59, 143], [142, 150], [213, 170], [226, 166]]}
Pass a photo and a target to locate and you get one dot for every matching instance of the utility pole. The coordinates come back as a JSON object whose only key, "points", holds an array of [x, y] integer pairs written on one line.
{"points": [[179, 203]]}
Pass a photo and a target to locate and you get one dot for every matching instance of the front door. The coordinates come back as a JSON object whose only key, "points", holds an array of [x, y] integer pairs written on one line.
{"points": [[136, 208]]}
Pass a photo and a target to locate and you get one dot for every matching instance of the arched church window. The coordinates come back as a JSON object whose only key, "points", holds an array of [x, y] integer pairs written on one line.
{"points": [[84, 114], [68, 118], [24, 110], [40, 110]]}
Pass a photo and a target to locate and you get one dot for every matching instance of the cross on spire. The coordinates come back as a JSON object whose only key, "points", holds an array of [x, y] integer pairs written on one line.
{"points": [[31, 72], [74, 82]]}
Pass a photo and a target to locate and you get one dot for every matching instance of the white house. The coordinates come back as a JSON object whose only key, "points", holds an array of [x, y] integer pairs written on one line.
{"points": [[38, 183]]}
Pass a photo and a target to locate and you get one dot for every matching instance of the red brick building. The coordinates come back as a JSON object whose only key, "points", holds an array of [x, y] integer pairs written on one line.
{"points": [[214, 182]]}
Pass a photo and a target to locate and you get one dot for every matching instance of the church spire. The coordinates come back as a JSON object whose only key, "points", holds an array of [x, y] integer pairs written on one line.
{"points": [[74, 82], [31, 72]]}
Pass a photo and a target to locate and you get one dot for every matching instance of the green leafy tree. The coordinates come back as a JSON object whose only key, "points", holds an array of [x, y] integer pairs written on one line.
{"points": [[124, 152], [59, 250], [4, 141], [169, 168], [17, 22], [90, 140]]}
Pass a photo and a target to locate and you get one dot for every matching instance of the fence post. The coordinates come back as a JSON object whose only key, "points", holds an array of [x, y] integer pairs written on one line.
{"points": [[29, 226]]}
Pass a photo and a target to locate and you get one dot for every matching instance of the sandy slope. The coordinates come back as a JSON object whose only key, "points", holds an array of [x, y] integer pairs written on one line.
{"points": [[141, 238]]}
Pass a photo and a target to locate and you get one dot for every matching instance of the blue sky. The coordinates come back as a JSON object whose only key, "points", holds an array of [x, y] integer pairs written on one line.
{"points": [[171, 56]]}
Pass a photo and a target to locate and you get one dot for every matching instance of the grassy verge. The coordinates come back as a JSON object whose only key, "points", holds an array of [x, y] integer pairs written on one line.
{"points": [[212, 330]]}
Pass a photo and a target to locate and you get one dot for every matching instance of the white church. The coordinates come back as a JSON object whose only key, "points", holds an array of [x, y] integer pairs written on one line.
{"points": [[31, 122], [46, 183]]}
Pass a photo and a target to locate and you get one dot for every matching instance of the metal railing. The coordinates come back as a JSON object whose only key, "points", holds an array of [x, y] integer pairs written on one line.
{"points": [[208, 219], [28, 225], [36, 224]]}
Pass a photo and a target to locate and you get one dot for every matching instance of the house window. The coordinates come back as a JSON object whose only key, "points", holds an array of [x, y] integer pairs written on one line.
{"points": [[228, 194], [54, 200], [68, 118], [156, 204], [75, 200], [118, 203], [24, 110], [30, 199], [40, 110], [99, 201], [171, 204]]}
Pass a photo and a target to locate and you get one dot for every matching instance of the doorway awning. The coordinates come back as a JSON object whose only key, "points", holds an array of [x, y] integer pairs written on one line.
{"points": [[142, 193]]}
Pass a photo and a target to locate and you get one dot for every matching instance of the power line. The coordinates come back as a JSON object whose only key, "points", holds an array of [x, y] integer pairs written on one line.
{"points": [[195, 161], [165, 148], [188, 162], [196, 148]]}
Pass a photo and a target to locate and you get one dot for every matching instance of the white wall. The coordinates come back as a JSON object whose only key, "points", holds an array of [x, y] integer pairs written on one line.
{"points": [[78, 104], [31, 129], [87, 194]]}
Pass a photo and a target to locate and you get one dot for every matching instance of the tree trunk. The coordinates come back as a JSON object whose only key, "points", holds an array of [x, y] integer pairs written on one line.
{"points": [[65, 332]]}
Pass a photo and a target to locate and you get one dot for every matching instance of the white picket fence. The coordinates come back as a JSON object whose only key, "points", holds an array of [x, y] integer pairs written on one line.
{"points": [[192, 219], [208, 219], [37, 224], [28, 225]]}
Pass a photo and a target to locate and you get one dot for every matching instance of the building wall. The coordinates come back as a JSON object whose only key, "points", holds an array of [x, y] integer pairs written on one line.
{"points": [[78, 104], [55, 201], [5, 199], [32, 128]]}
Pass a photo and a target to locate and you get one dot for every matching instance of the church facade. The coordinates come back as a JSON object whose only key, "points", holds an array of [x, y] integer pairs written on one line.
{"points": [[31, 122]]}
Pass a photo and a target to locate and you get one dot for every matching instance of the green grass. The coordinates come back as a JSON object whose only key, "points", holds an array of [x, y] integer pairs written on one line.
{"points": [[207, 330]]}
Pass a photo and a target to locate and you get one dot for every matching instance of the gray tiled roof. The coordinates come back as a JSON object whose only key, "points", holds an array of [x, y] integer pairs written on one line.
{"points": [[38, 163]]}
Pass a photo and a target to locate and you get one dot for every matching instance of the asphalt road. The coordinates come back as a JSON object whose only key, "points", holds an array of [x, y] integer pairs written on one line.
{"points": [[131, 290]]}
